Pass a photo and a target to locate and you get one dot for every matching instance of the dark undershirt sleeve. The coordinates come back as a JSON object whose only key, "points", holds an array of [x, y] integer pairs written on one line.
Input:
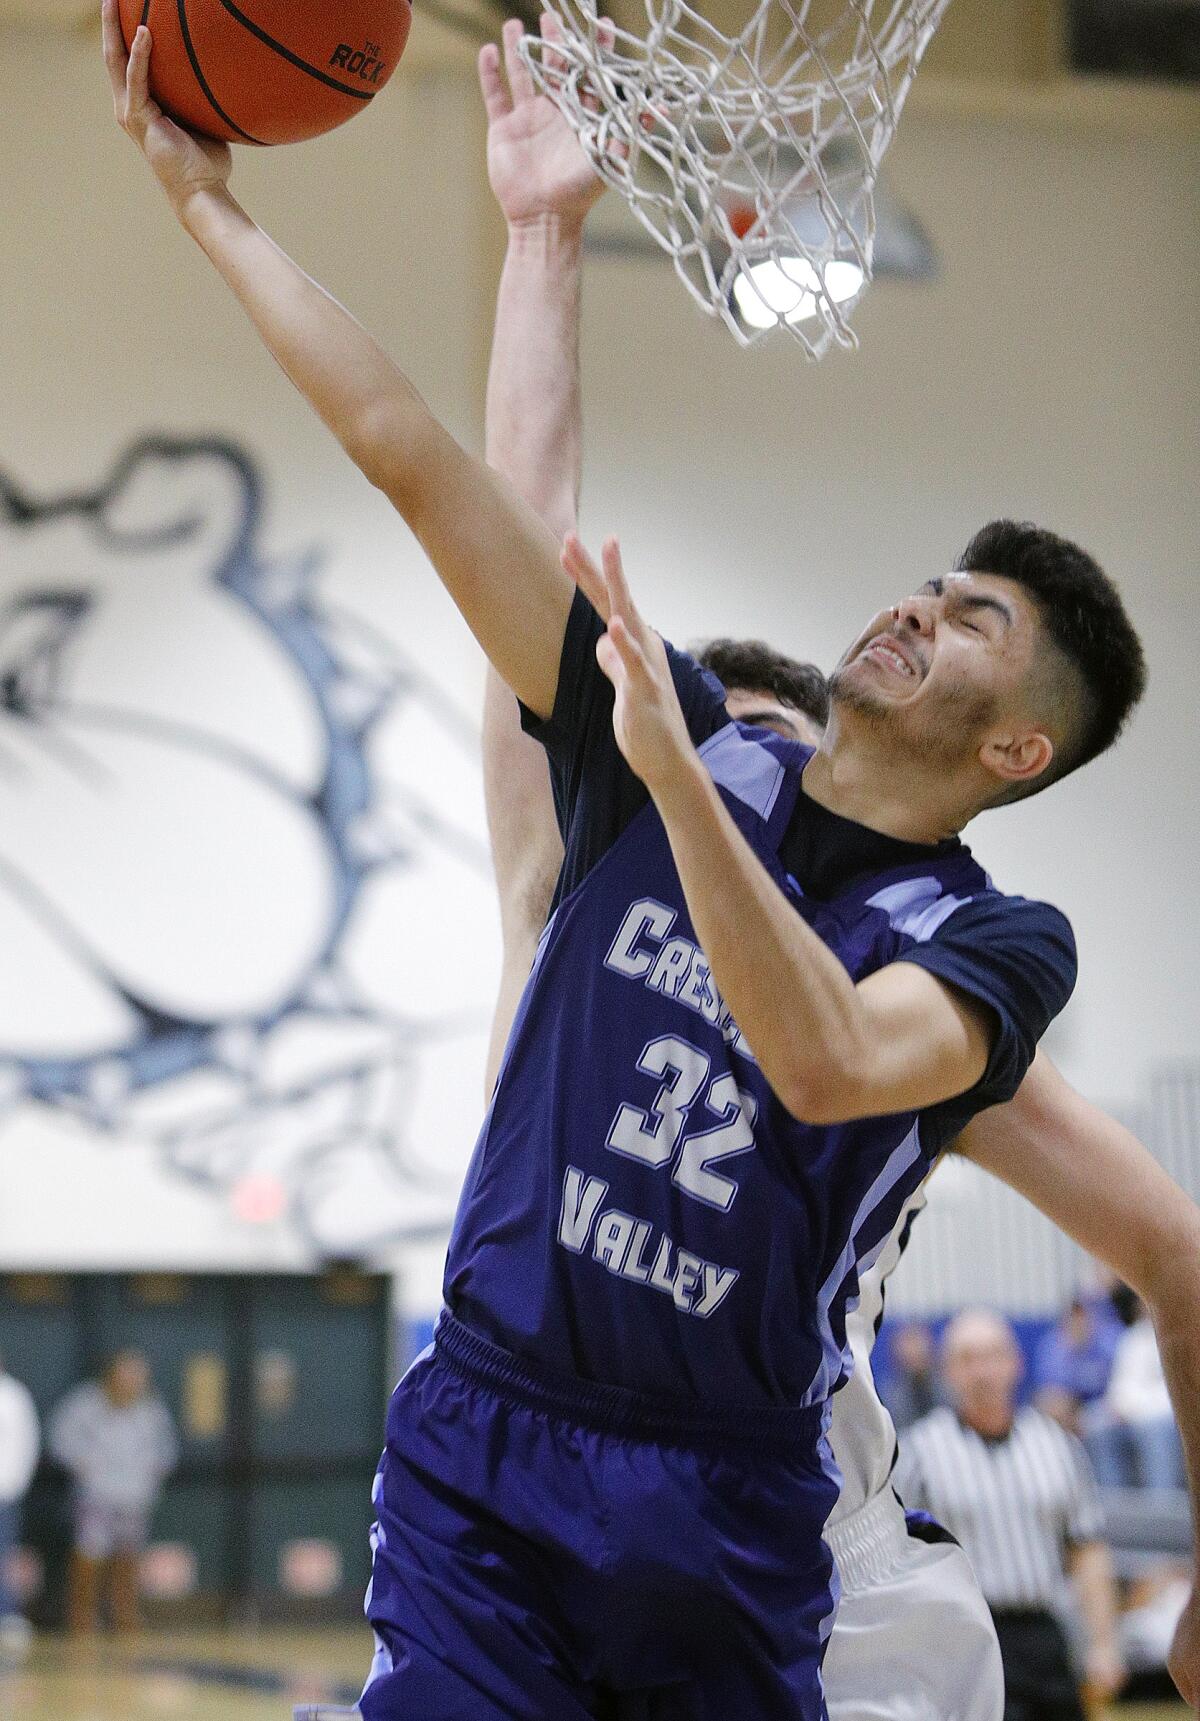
{"points": [[595, 793], [1018, 958]]}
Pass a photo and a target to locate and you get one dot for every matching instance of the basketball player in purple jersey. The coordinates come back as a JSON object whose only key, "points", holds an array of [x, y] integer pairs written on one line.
{"points": [[604, 1489], [913, 1636]]}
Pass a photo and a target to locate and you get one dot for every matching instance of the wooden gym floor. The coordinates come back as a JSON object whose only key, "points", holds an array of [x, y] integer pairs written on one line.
{"points": [[187, 1676], [217, 1676]]}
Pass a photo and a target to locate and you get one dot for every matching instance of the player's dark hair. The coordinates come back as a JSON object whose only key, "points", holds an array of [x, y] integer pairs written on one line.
{"points": [[1084, 618], [755, 667]]}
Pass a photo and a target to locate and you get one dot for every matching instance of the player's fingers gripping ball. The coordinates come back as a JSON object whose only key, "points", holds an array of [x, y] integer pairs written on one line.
{"points": [[268, 71]]}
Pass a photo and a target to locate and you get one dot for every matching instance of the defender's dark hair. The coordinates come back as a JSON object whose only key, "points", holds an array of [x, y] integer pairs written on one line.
{"points": [[753, 666], [1082, 613]]}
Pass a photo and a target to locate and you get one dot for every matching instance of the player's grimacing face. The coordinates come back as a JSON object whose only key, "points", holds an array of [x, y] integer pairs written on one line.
{"points": [[946, 662]]}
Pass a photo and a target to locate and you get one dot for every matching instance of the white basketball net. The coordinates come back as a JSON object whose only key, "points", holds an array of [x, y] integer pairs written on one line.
{"points": [[750, 158]]}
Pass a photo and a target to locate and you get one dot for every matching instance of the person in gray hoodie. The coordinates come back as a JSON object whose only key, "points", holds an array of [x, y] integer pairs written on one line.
{"points": [[116, 1438]]}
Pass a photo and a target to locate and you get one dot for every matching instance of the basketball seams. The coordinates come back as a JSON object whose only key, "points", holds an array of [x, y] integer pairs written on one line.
{"points": [[206, 46], [287, 54], [202, 80]]}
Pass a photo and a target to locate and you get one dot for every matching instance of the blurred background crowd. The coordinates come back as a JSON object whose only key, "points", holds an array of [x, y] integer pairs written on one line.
{"points": [[1047, 1448], [1051, 1453]]}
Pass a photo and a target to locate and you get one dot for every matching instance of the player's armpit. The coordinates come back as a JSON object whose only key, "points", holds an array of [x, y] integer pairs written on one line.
{"points": [[526, 890], [921, 1042], [527, 851]]}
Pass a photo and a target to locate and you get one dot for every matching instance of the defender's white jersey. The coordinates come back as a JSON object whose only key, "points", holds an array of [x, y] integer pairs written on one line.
{"points": [[913, 1639], [861, 1432]]}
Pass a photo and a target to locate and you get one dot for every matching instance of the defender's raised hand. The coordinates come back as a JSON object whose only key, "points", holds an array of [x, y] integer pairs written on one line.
{"points": [[536, 164], [648, 719], [182, 163]]}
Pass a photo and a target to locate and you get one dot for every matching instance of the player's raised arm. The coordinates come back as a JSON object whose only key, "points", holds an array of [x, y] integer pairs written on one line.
{"points": [[1098, 1183], [545, 186], [498, 561]]}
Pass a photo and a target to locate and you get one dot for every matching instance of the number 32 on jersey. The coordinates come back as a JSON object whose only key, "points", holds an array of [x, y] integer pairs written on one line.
{"points": [[657, 1137]]}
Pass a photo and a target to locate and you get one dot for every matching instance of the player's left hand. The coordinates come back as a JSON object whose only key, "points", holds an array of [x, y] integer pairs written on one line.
{"points": [[1183, 1663], [182, 163], [648, 719]]}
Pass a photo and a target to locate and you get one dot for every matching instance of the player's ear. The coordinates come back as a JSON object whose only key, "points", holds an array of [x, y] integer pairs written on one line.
{"points": [[1016, 757]]}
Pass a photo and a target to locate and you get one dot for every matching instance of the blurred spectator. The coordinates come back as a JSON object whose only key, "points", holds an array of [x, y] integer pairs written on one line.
{"points": [[1019, 1494], [910, 1390], [1072, 1370], [19, 1442], [1139, 1405], [116, 1438], [1074, 1360]]}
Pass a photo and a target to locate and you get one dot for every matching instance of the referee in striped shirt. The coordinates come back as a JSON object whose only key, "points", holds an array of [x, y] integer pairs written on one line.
{"points": [[1018, 1492]]}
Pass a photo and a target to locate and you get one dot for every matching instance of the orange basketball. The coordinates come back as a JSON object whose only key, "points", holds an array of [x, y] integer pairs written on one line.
{"points": [[268, 71]]}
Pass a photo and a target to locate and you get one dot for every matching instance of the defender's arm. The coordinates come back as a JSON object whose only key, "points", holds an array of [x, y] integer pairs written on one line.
{"points": [[1098, 1183], [545, 186]]}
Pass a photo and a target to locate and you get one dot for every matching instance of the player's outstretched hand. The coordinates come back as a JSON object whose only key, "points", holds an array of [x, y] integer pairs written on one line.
{"points": [[183, 164], [1183, 1663], [536, 164], [648, 719]]}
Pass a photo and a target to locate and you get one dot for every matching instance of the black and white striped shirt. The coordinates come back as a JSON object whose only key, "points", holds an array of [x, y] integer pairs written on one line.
{"points": [[1016, 1504]]}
